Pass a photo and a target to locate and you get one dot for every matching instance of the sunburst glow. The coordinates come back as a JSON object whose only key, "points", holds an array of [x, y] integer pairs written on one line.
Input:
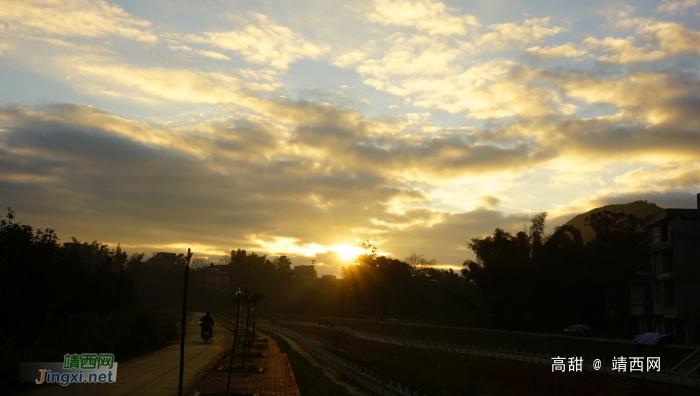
{"points": [[347, 252]]}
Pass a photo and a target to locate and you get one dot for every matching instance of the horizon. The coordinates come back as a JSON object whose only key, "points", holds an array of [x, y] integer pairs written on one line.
{"points": [[288, 128]]}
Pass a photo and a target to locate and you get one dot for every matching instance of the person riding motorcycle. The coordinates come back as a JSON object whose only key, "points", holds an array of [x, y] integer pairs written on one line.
{"points": [[206, 319]]}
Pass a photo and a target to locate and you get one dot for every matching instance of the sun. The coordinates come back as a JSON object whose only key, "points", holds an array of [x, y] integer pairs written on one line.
{"points": [[347, 252]]}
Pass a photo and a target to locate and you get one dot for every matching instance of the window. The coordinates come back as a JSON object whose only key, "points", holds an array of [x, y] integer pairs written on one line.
{"points": [[670, 294], [657, 263], [657, 235], [667, 260], [640, 294], [657, 293], [664, 233]]}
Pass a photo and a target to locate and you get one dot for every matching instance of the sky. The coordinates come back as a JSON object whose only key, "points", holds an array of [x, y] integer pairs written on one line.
{"points": [[300, 127]]}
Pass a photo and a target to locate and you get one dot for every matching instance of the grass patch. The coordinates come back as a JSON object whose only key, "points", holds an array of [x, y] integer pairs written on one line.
{"points": [[310, 378]]}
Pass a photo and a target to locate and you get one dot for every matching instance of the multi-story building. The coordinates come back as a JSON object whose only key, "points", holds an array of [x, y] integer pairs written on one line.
{"points": [[213, 278], [306, 273], [668, 299], [163, 259]]}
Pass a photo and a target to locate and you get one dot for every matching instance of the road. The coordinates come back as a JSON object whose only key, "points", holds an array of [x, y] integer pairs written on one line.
{"points": [[157, 373]]}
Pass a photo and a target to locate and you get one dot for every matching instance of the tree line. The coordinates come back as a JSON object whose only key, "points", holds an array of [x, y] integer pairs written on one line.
{"points": [[524, 281], [547, 282], [67, 298]]}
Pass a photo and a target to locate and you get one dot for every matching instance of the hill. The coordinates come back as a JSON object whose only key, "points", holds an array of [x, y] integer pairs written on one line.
{"points": [[638, 208]]}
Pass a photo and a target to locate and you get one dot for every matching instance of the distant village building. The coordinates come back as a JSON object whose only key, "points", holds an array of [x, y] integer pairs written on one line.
{"points": [[163, 259], [306, 273], [668, 299], [213, 277]]}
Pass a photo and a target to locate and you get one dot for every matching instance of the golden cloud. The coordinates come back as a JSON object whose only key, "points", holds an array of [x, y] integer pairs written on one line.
{"points": [[428, 16], [683, 175], [79, 18], [663, 40], [505, 35], [262, 43], [671, 6]]}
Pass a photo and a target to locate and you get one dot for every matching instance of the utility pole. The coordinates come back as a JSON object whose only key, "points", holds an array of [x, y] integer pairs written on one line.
{"points": [[235, 336], [184, 313], [247, 322]]}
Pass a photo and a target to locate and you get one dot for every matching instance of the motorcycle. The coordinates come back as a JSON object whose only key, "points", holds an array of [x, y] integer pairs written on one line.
{"points": [[206, 331]]}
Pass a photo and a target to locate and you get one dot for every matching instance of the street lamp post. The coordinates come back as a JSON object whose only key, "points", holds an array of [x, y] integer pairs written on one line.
{"points": [[247, 323], [184, 313], [254, 322], [235, 336]]}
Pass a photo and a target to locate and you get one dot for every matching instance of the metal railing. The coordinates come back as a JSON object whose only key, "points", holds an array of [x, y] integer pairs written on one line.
{"points": [[667, 376], [343, 368]]}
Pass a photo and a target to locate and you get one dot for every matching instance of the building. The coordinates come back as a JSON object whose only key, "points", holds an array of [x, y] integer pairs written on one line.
{"points": [[213, 278], [306, 273], [163, 259], [668, 299]]}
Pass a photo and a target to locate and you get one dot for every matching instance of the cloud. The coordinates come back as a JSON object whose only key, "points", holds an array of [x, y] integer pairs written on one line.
{"points": [[338, 136], [80, 18], [350, 58], [262, 42], [243, 183], [569, 50], [643, 94], [233, 173], [671, 6], [490, 200], [653, 132], [189, 86], [212, 54], [431, 17], [663, 40], [507, 35], [413, 56], [429, 70], [447, 240], [495, 89], [4, 47], [668, 177]]}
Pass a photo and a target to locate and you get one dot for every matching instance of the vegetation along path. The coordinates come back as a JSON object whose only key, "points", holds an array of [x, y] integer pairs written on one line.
{"points": [[157, 373]]}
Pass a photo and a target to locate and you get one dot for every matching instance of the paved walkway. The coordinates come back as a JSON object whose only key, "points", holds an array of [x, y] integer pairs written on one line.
{"points": [[351, 386], [277, 378], [156, 373]]}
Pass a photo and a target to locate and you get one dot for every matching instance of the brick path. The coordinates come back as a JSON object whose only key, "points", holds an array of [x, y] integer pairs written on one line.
{"points": [[277, 378]]}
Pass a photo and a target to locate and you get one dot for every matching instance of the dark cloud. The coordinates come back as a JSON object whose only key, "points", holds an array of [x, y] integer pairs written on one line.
{"points": [[490, 200], [223, 184], [447, 240], [91, 182]]}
